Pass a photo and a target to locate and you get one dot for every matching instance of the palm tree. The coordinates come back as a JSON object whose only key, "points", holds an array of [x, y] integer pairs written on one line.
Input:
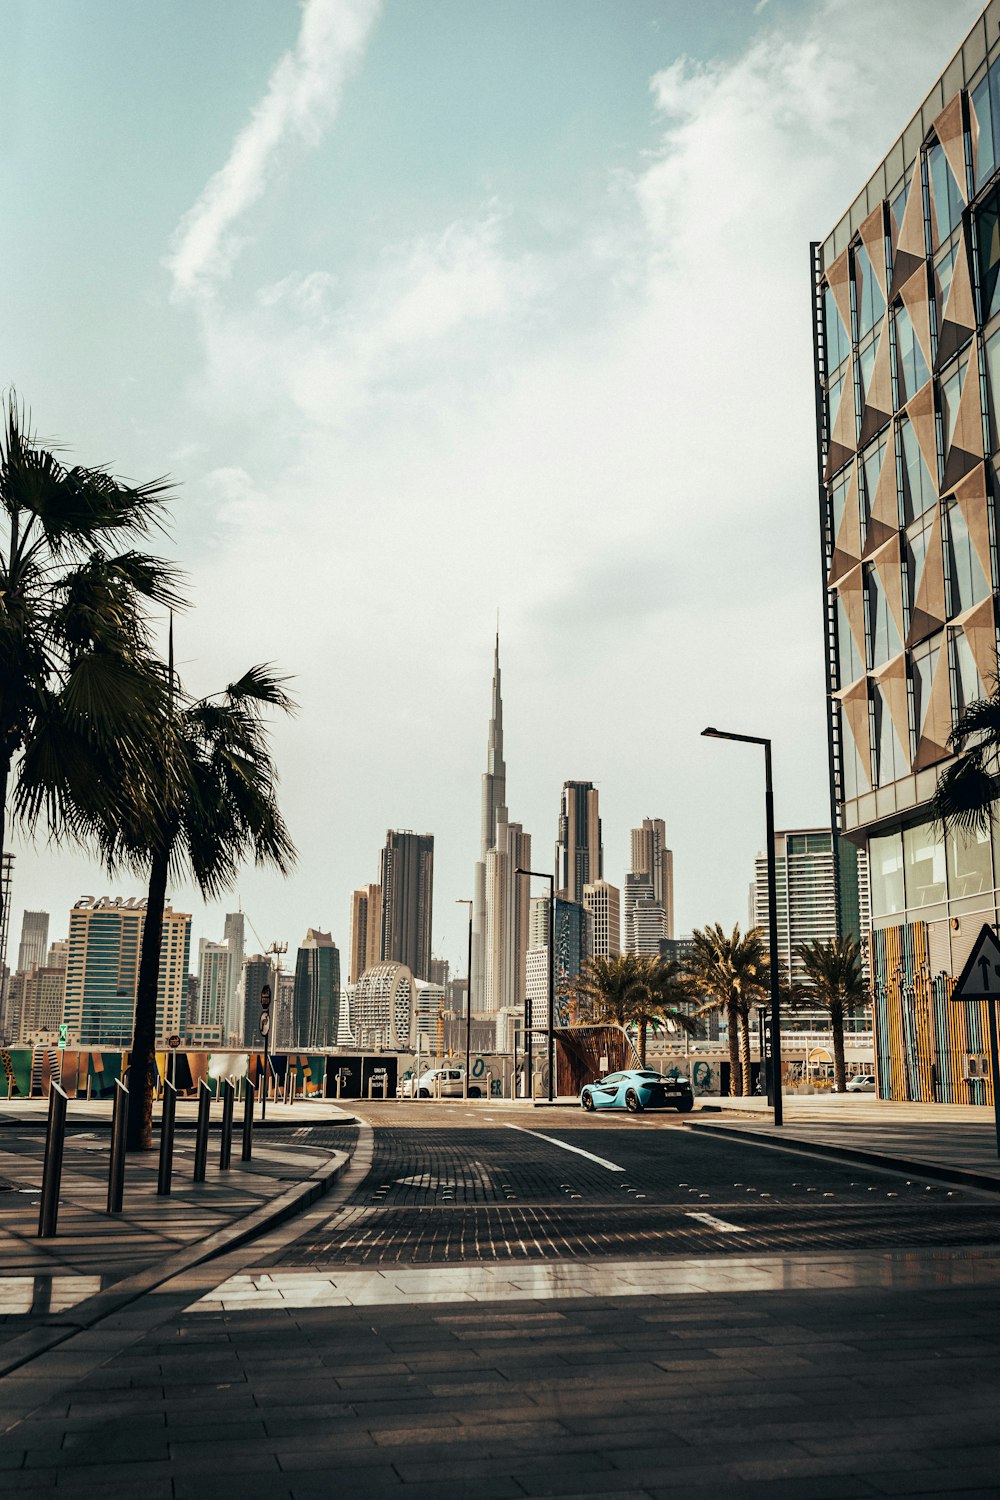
{"points": [[967, 791], [733, 972], [834, 980], [215, 804], [78, 674], [634, 989], [659, 997]]}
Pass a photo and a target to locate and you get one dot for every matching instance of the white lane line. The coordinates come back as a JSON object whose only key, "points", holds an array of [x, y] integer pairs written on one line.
{"points": [[577, 1150], [714, 1223]]}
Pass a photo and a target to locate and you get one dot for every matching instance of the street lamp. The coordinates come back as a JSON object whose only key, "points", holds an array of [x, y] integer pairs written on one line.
{"points": [[541, 875], [772, 906], [466, 901]]}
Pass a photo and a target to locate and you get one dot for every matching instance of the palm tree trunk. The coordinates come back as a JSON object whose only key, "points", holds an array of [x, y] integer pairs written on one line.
{"points": [[142, 1063], [641, 1043], [745, 1051], [735, 1072], [4, 777], [839, 1062]]}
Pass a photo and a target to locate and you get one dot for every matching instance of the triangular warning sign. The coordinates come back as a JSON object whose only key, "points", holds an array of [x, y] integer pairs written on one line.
{"points": [[980, 979]]}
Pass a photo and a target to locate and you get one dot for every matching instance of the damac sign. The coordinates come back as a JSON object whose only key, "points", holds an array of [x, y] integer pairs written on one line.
{"points": [[110, 903]]}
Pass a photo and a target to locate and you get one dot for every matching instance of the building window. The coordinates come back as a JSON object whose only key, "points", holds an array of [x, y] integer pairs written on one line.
{"points": [[982, 112], [919, 490], [970, 863], [923, 662], [870, 302], [883, 637], [966, 683], [988, 226], [951, 394], [885, 863], [964, 578], [924, 865], [889, 758], [871, 468], [838, 343], [946, 199]]}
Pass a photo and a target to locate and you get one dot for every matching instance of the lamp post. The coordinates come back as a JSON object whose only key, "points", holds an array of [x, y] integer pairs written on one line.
{"points": [[772, 906], [466, 901], [542, 875]]}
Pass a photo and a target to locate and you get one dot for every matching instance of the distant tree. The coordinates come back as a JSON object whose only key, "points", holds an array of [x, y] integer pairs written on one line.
{"points": [[834, 981], [732, 971], [79, 676], [213, 804], [634, 990]]}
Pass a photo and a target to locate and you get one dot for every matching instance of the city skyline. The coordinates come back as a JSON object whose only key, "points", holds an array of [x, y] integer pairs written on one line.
{"points": [[371, 323]]}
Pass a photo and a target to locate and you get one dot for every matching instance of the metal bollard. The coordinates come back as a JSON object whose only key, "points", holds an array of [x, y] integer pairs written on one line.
{"points": [[226, 1147], [52, 1173], [201, 1135], [116, 1173], [249, 1095], [166, 1140]]}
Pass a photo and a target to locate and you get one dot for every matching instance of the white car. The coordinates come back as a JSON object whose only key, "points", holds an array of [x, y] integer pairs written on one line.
{"points": [[861, 1083], [438, 1083]]}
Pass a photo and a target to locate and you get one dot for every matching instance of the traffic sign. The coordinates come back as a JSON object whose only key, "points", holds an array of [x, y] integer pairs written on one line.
{"points": [[980, 978], [173, 1041], [264, 1024], [265, 998], [62, 1036]]}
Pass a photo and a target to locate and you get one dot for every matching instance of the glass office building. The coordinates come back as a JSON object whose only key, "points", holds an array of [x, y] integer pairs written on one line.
{"points": [[906, 312]]}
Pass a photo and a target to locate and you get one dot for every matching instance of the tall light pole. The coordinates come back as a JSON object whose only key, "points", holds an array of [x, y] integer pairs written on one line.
{"points": [[466, 901], [772, 907], [542, 875]]}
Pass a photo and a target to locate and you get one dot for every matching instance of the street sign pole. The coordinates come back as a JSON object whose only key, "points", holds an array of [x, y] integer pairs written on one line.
{"points": [[265, 1030], [980, 980]]}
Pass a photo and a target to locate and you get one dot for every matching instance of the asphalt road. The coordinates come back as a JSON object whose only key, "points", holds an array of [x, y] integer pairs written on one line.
{"points": [[452, 1181]]}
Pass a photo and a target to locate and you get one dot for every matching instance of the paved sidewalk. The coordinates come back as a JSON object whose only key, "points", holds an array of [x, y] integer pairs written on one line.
{"points": [[61, 1282], [953, 1142]]}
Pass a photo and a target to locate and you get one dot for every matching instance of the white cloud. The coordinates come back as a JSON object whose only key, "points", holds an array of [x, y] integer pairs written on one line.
{"points": [[302, 98], [612, 439]]}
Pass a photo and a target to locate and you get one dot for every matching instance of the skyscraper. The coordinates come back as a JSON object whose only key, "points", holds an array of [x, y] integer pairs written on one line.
{"points": [[603, 902], [215, 963], [258, 971], [234, 933], [579, 851], [102, 970], [650, 856], [493, 813], [407, 900], [366, 930], [34, 940], [317, 991], [807, 893], [507, 908], [645, 924]]}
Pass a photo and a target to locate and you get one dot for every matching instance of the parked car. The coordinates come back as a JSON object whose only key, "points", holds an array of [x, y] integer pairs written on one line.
{"points": [[861, 1083], [636, 1090], [437, 1083]]}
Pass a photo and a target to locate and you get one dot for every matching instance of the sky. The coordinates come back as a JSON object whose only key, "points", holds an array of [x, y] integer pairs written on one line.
{"points": [[439, 308]]}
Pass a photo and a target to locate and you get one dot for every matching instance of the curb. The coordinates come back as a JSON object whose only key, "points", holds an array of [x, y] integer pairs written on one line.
{"points": [[958, 1176], [29, 1345]]}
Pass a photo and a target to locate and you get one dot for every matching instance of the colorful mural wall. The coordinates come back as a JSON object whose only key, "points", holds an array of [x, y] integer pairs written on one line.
{"points": [[922, 1039]]}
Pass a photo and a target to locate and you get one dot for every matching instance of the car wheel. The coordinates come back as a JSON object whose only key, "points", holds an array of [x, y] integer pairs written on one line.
{"points": [[587, 1100], [474, 1094], [423, 1093], [684, 1105], [633, 1103]]}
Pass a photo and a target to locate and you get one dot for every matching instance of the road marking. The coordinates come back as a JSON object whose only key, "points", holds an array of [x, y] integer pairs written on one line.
{"points": [[577, 1150], [714, 1223]]}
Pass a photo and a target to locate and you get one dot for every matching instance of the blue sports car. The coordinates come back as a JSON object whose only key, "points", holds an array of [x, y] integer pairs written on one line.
{"points": [[638, 1090]]}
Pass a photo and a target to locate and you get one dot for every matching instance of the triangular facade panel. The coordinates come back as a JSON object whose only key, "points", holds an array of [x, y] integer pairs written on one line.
{"points": [[877, 409], [916, 297], [911, 250], [979, 625], [949, 130], [924, 419], [928, 613], [892, 680], [847, 544], [932, 745], [883, 520], [855, 701], [852, 596], [873, 238], [890, 575], [839, 278], [960, 307], [966, 449], [970, 495], [844, 438]]}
